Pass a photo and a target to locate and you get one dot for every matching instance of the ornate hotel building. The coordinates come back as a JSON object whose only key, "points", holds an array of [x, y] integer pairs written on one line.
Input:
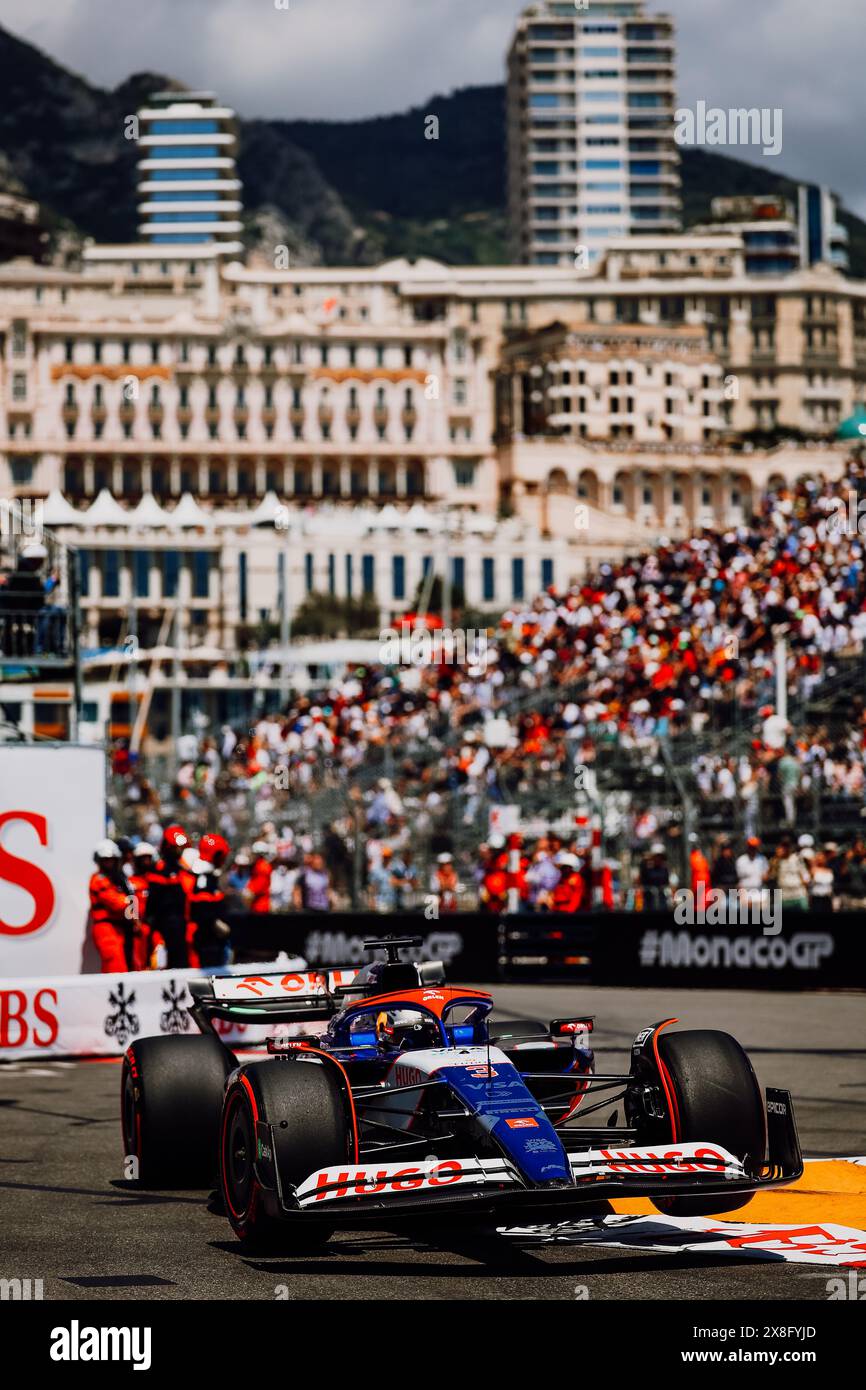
{"points": [[219, 439]]}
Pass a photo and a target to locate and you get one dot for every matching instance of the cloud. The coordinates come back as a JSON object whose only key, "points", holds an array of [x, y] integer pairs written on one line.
{"points": [[339, 59]]}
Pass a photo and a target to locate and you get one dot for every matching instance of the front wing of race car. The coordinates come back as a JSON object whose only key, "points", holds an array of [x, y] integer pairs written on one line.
{"points": [[369, 1192]]}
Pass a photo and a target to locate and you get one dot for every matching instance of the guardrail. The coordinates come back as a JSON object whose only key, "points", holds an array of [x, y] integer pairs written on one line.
{"points": [[812, 951], [42, 633]]}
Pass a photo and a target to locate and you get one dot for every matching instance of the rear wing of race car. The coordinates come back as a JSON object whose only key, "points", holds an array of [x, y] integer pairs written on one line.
{"points": [[276, 997]]}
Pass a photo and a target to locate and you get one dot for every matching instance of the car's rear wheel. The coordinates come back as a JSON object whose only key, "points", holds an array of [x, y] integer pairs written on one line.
{"points": [[171, 1096], [306, 1107], [718, 1100]]}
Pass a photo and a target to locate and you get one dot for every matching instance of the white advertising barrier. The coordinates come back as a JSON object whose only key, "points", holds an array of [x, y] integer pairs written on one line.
{"points": [[52, 815], [100, 1015]]}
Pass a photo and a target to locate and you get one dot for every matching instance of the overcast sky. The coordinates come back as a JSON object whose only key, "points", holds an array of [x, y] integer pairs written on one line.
{"points": [[350, 58]]}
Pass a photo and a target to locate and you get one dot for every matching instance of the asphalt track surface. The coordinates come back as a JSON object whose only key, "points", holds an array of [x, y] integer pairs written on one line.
{"points": [[67, 1216]]}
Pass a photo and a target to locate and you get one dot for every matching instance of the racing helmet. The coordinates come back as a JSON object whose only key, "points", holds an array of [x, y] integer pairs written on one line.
{"points": [[214, 849], [406, 1030]]}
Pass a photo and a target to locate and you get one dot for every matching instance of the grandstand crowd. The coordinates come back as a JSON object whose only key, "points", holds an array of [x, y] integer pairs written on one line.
{"points": [[658, 648]]}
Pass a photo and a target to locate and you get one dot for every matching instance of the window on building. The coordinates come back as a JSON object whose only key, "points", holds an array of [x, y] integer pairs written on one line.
{"points": [[464, 473], [111, 574], [200, 574], [368, 574], [243, 597], [398, 576], [170, 573], [141, 573], [517, 578], [488, 579], [309, 572]]}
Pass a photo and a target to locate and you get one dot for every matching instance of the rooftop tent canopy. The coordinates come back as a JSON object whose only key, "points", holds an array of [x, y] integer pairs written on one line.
{"points": [[149, 513], [268, 512], [56, 511], [350, 651], [107, 511], [189, 512]]}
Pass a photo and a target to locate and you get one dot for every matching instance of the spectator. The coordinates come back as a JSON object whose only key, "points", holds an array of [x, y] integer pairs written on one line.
{"points": [[313, 886], [655, 880], [258, 890], [789, 773], [570, 891], [699, 870], [724, 873], [443, 883], [542, 876], [405, 880], [283, 879], [752, 870], [791, 877], [852, 878], [383, 885], [237, 880], [821, 884]]}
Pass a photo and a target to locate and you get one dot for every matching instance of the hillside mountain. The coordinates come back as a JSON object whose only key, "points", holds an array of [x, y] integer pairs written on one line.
{"points": [[336, 192]]}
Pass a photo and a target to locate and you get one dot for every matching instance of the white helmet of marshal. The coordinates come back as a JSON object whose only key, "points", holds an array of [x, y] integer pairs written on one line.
{"points": [[107, 849]]}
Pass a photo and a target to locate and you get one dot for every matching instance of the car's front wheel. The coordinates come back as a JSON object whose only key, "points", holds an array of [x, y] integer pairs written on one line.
{"points": [[305, 1106], [717, 1100]]}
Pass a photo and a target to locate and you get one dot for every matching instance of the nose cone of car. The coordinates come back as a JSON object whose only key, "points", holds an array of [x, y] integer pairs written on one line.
{"points": [[504, 1106]]}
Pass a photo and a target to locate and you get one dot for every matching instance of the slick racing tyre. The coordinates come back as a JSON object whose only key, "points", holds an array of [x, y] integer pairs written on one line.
{"points": [[718, 1100], [171, 1095], [306, 1105]]}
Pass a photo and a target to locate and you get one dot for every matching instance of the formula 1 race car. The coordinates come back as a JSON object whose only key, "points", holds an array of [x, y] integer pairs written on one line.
{"points": [[411, 1101]]}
